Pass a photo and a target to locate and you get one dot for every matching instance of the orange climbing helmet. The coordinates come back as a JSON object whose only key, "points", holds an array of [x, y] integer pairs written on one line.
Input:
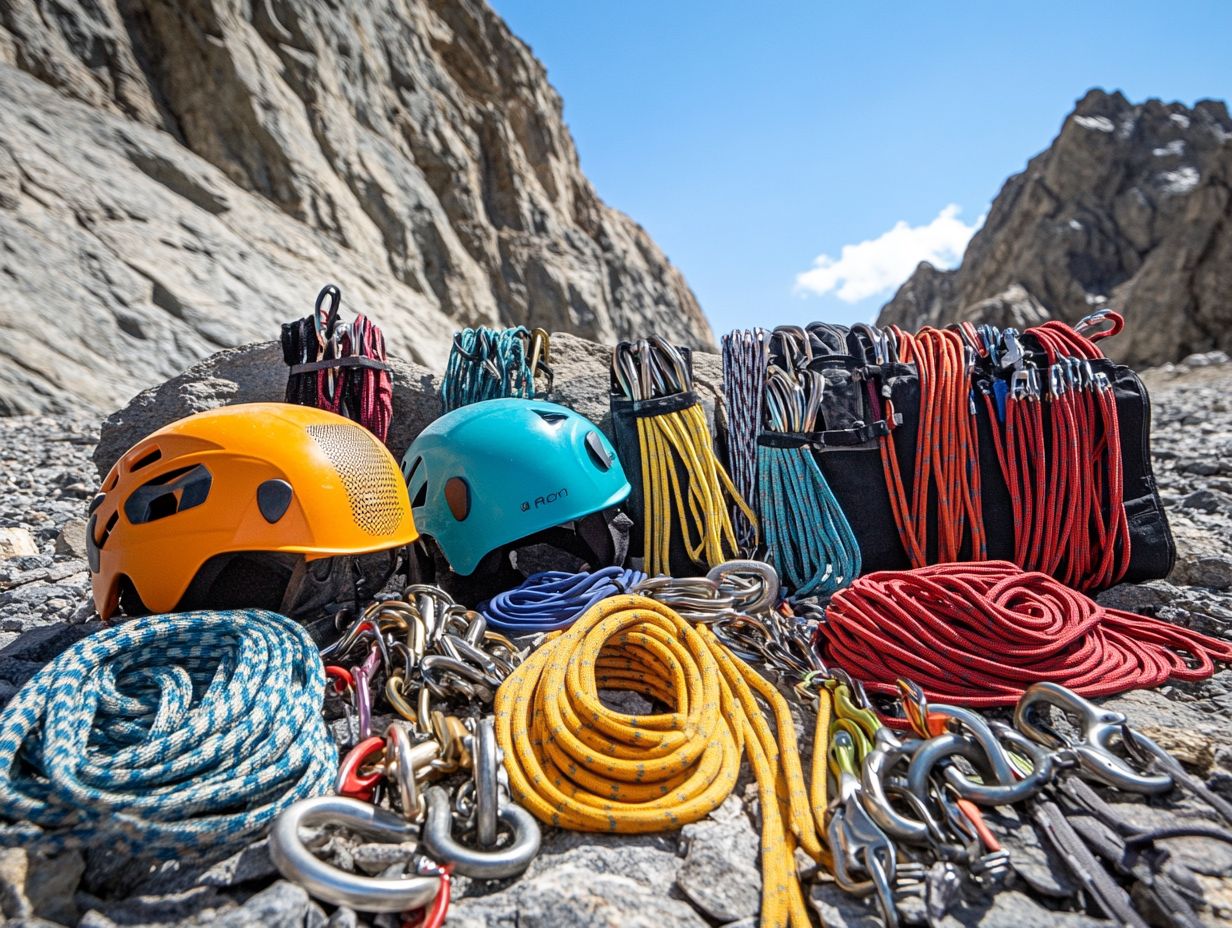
{"points": [[239, 506]]}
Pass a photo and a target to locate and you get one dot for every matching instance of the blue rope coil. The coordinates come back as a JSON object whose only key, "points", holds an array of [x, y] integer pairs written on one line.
{"points": [[808, 538], [487, 364], [165, 734], [555, 599]]}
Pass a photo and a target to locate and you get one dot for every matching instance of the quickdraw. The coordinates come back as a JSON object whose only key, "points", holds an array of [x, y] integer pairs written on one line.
{"points": [[808, 538], [338, 366], [746, 356], [945, 483], [1067, 488]]}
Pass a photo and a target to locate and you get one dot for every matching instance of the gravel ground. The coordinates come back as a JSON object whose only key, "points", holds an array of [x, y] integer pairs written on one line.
{"points": [[703, 876]]}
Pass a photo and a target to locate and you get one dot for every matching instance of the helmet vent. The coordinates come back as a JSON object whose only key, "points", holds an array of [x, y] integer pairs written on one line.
{"points": [[145, 460], [168, 494], [410, 474], [550, 416], [372, 483], [421, 496]]}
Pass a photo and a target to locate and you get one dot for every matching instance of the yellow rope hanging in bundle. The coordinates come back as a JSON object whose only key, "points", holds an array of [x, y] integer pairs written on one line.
{"points": [[577, 764], [705, 520]]}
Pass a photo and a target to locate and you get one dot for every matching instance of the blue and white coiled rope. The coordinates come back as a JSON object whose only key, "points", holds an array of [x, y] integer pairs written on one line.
{"points": [[487, 364], [554, 599], [165, 734], [807, 535]]}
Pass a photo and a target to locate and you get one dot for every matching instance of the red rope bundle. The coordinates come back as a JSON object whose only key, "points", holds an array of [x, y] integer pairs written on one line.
{"points": [[979, 634], [946, 457]]}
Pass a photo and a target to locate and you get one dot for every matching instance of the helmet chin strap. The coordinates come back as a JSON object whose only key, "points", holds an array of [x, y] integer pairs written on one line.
{"points": [[600, 539]]}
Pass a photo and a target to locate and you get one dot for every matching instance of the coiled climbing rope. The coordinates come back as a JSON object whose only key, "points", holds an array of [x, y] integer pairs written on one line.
{"points": [[578, 764], [745, 357], [681, 439], [980, 634], [945, 484], [164, 734], [554, 599]]}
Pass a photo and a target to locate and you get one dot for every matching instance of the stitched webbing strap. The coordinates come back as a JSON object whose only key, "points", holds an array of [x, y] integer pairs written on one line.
{"points": [[166, 733]]}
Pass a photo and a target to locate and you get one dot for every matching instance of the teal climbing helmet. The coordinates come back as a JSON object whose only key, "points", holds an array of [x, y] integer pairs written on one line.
{"points": [[491, 473]]}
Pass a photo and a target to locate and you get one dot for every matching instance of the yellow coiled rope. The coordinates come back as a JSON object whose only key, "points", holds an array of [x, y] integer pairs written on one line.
{"points": [[577, 764], [703, 508]]}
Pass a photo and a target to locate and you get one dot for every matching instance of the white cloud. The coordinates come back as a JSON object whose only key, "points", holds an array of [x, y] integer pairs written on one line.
{"points": [[882, 263]]}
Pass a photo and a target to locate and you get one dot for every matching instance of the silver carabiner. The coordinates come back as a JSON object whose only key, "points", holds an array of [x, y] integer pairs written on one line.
{"points": [[856, 843], [497, 864], [486, 761], [877, 765], [1092, 749], [338, 887], [757, 598]]}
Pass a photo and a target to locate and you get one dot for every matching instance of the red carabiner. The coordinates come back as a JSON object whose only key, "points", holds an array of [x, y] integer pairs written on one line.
{"points": [[342, 678], [353, 783], [433, 917]]}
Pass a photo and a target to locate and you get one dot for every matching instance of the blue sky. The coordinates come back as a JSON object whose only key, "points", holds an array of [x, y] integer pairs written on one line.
{"points": [[749, 139]]}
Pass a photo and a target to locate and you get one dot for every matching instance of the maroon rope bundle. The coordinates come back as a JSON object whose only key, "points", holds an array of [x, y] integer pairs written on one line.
{"points": [[980, 634]]}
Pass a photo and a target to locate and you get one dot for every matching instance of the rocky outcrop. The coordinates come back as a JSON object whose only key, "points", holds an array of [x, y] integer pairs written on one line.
{"points": [[1130, 208], [179, 177]]}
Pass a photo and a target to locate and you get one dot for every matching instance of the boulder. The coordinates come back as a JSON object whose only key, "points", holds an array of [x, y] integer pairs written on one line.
{"points": [[17, 542]]}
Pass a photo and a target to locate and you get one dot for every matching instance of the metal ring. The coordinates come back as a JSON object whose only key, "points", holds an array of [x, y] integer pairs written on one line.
{"points": [[438, 841], [338, 887]]}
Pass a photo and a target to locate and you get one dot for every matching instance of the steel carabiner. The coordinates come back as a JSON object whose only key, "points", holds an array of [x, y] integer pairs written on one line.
{"points": [[497, 864], [330, 884], [1097, 727]]}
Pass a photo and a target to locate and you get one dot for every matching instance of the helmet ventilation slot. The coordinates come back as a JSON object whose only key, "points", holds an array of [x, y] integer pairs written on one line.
{"points": [[145, 460], [599, 455], [421, 496], [168, 494]]}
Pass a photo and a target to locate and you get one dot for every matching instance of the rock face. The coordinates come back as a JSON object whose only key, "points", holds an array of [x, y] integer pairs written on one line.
{"points": [[179, 177], [1130, 208]]}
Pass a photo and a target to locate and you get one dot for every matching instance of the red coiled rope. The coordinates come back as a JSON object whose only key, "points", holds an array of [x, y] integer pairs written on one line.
{"points": [[980, 634]]}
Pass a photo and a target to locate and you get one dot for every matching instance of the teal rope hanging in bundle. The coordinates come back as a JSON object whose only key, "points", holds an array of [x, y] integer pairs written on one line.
{"points": [[489, 364], [164, 734], [808, 538]]}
